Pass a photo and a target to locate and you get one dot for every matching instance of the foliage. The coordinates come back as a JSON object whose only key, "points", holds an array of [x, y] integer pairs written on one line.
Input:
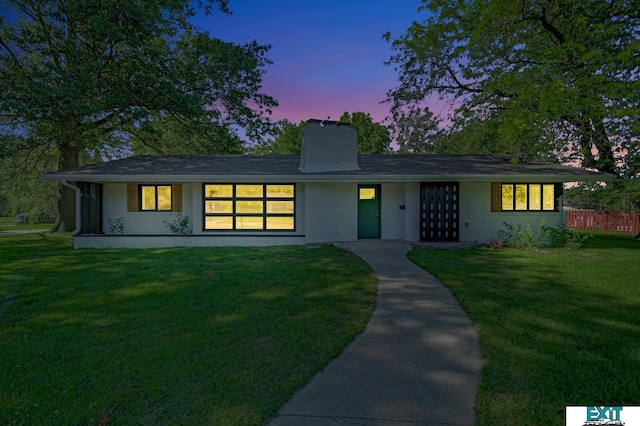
{"points": [[172, 136], [116, 226], [373, 138], [22, 186], [524, 237], [80, 75], [216, 336], [180, 225], [619, 195], [563, 237], [415, 131], [287, 140], [553, 78], [556, 327], [476, 136]]}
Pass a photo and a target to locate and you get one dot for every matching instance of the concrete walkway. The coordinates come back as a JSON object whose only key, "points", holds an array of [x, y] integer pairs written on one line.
{"points": [[417, 363]]}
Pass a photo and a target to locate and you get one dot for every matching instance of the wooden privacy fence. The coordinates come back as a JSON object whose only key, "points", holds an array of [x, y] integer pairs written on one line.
{"points": [[594, 220]]}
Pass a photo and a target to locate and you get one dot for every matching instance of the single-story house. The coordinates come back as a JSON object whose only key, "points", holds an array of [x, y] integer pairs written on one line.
{"points": [[326, 194]]}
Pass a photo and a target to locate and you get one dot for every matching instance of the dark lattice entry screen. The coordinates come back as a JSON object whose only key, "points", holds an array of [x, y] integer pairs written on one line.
{"points": [[439, 211], [91, 208]]}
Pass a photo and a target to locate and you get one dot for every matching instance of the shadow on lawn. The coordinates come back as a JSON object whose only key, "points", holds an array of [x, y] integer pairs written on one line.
{"points": [[556, 328], [175, 336]]}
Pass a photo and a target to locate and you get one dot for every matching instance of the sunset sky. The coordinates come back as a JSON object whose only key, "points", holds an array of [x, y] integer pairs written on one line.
{"points": [[328, 57]]}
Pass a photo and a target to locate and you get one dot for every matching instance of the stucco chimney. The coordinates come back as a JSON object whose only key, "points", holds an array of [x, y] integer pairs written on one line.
{"points": [[327, 147]]}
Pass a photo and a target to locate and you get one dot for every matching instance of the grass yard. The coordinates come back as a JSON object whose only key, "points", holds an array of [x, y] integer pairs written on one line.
{"points": [[175, 336], [557, 327], [6, 224]]}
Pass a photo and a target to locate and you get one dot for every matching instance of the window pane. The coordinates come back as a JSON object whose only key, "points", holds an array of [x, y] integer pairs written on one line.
{"points": [[279, 191], [367, 193], [218, 206], [164, 197], [249, 222], [521, 197], [218, 191], [535, 197], [148, 198], [548, 197], [249, 206], [507, 197], [218, 222], [280, 207], [252, 191], [280, 223]]}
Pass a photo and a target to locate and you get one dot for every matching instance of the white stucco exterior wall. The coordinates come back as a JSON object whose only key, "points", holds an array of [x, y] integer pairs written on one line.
{"points": [[331, 212], [141, 223], [479, 224], [325, 212], [412, 211], [391, 216]]}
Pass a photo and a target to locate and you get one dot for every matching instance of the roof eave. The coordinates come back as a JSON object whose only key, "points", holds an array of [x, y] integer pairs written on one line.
{"points": [[329, 178]]}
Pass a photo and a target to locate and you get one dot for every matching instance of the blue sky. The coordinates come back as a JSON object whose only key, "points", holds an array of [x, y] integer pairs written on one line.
{"points": [[328, 57]]}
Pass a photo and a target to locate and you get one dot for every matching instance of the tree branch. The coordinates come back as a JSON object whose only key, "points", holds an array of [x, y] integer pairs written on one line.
{"points": [[544, 20], [8, 49]]}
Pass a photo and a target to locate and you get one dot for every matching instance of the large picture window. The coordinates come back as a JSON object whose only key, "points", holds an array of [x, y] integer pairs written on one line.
{"points": [[249, 207], [529, 196]]}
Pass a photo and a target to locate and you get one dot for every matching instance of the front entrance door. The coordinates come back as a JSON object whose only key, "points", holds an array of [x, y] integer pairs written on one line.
{"points": [[369, 211], [439, 211]]}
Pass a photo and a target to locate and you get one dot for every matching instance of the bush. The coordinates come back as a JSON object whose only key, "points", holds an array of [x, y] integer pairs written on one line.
{"points": [[116, 226], [180, 225], [563, 237], [520, 236]]}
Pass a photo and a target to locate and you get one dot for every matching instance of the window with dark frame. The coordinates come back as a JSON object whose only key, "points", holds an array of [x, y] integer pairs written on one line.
{"points": [[529, 197], [155, 197], [249, 207]]}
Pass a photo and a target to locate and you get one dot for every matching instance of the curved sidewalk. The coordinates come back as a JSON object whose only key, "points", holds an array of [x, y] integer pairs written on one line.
{"points": [[417, 362]]}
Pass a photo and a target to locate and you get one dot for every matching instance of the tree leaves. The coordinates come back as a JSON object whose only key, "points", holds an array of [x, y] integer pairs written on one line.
{"points": [[91, 76], [535, 68]]}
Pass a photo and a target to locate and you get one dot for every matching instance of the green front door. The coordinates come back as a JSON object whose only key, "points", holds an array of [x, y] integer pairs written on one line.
{"points": [[369, 211]]}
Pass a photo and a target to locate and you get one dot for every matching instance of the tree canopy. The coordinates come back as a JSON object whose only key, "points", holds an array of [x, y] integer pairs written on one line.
{"points": [[287, 139], [624, 195], [415, 131], [373, 137], [93, 75], [554, 78]]}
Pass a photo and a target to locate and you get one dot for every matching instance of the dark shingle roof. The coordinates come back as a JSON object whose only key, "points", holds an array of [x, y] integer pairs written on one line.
{"points": [[287, 166]]}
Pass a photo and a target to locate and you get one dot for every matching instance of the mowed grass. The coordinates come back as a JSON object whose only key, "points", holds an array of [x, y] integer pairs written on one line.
{"points": [[214, 336], [557, 327], [7, 224]]}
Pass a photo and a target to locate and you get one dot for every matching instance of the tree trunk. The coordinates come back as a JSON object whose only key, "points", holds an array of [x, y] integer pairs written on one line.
{"points": [[66, 217], [606, 163], [595, 135]]}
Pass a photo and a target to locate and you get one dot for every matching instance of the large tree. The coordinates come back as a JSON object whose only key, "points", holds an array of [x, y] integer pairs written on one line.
{"points": [[564, 73], [373, 137], [171, 136], [86, 75], [287, 139], [415, 130]]}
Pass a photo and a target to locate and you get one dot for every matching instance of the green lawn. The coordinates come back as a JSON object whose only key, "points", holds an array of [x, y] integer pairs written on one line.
{"points": [[174, 336], [557, 327], [6, 224]]}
